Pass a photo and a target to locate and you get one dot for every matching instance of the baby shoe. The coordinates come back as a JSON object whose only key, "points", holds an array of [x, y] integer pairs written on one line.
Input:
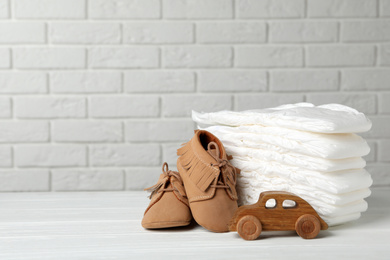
{"points": [[169, 204], [209, 180]]}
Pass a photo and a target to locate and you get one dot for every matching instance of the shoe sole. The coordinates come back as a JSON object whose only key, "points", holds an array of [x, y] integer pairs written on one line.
{"points": [[170, 224]]}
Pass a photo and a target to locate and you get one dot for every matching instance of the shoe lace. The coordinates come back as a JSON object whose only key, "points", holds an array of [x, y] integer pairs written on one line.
{"points": [[227, 171], [168, 177]]}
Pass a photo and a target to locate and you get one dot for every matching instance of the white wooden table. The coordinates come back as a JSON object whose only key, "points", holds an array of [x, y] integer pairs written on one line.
{"points": [[106, 225]]}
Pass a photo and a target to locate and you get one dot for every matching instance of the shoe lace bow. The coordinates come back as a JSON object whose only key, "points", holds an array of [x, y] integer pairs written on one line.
{"points": [[227, 175], [168, 177]]}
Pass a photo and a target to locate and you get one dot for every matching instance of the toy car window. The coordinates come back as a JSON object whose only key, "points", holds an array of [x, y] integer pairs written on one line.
{"points": [[270, 204], [289, 204]]}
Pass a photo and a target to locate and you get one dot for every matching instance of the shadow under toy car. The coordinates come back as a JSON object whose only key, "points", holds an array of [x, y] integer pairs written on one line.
{"points": [[289, 212]]}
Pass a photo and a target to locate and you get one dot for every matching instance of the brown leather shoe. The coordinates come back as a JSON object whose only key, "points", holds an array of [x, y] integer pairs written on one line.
{"points": [[169, 205], [209, 180]]}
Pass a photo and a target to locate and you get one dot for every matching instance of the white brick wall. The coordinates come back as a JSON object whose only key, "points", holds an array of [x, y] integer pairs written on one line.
{"points": [[97, 94], [269, 57], [249, 9], [52, 9], [24, 132], [85, 33], [340, 55], [49, 107], [232, 81], [3, 9], [123, 57], [231, 32], [49, 58], [157, 32], [22, 32], [123, 106], [197, 9], [124, 9], [50, 155], [307, 31], [85, 82], [5, 58], [23, 82], [162, 81], [342, 8], [197, 57]]}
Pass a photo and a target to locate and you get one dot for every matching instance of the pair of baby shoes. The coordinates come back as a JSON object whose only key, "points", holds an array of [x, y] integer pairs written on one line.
{"points": [[204, 188]]}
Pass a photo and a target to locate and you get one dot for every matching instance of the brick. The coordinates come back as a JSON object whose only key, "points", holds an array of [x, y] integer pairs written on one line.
{"points": [[197, 57], [341, 8], [380, 127], [22, 32], [231, 32], [87, 180], [24, 131], [141, 178], [85, 82], [5, 156], [197, 9], [125, 155], [376, 79], [24, 180], [124, 106], [86, 131], [55, 9], [371, 157], [3, 9], [346, 55], [159, 81], [181, 105], [158, 131], [270, 8], [365, 31], [380, 173], [124, 57], [384, 8], [307, 80], [50, 155], [49, 107], [232, 80], [384, 104], [124, 9], [49, 58], [383, 150], [268, 56], [84, 33], [5, 58], [365, 103], [169, 154], [23, 82], [384, 54], [5, 107], [258, 101], [307, 31], [157, 32]]}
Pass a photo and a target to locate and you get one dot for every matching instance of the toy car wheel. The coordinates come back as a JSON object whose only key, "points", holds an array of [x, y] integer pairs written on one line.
{"points": [[307, 226], [249, 227]]}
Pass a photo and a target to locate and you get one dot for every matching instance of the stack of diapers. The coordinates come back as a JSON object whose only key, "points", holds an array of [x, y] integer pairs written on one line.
{"points": [[311, 151]]}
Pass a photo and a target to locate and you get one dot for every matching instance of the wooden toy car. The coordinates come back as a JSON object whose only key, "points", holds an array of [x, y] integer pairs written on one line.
{"points": [[289, 212]]}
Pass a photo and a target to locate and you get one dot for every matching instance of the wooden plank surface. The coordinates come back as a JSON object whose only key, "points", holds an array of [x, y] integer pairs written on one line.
{"points": [[106, 225]]}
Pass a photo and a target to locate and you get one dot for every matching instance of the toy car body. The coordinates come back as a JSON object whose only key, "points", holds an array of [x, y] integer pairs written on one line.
{"points": [[290, 212]]}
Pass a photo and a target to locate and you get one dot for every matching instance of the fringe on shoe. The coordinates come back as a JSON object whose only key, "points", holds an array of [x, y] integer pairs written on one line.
{"points": [[200, 173]]}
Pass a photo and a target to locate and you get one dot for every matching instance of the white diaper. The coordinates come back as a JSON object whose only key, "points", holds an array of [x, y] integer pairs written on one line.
{"points": [[331, 118], [330, 146], [310, 151]]}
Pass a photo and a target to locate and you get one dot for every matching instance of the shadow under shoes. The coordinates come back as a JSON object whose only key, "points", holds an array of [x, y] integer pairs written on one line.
{"points": [[169, 204], [209, 180]]}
